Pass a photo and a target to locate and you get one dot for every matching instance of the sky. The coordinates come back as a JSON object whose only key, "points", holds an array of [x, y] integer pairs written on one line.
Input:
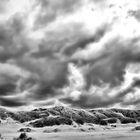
{"points": [[77, 53]]}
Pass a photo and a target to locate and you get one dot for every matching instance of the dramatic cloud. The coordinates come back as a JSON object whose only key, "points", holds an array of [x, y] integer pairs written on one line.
{"points": [[46, 75], [110, 66], [104, 95], [83, 53]]}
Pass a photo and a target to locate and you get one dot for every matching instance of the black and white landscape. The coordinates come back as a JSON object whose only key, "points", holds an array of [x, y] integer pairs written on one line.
{"points": [[60, 123], [70, 69]]}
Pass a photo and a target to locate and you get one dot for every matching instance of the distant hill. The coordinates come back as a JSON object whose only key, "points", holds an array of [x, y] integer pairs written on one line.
{"points": [[58, 115]]}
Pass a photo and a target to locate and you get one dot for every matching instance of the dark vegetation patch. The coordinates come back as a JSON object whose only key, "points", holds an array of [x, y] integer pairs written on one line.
{"points": [[111, 120], [25, 130], [136, 128], [23, 136], [103, 122], [126, 120], [53, 130]]}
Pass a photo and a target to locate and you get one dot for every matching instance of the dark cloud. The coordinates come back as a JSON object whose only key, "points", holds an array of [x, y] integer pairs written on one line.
{"points": [[9, 77], [12, 43], [64, 42], [47, 75], [136, 82], [95, 100], [110, 66], [135, 14], [83, 41], [133, 89], [36, 70], [7, 89], [47, 62], [43, 91], [56, 41], [17, 24], [52, 9], [87, 101], [11, 102]]}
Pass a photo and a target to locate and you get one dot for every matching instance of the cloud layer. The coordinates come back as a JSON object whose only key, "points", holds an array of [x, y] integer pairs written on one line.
{"points": [[83, 53]]}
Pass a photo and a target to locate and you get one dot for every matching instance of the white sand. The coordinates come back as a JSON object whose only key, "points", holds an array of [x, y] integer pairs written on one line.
{"points": [[86, 132]]}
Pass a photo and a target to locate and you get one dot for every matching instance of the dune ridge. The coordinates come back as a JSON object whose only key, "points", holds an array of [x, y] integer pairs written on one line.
{"points": [[59, 115]]}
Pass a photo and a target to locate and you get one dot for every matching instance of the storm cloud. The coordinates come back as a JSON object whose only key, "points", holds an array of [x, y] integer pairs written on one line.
{"points": [[105, 96], [74, 52]]}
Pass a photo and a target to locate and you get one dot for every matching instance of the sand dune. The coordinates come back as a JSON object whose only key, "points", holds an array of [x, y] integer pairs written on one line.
{"points": [[61, 123]]}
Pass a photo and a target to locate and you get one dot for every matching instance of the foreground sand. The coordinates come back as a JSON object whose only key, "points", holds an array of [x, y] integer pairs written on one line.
{"points": [[86, 132]]}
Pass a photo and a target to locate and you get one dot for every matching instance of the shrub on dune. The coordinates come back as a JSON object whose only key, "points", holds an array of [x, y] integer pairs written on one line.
{"points": [[79, 121], [25, 116], [25, 130], [103, 122], [111, 120], [136, 128], [87, 117], [23, 136], [50, 121], [138, 119], [127, 120]]}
